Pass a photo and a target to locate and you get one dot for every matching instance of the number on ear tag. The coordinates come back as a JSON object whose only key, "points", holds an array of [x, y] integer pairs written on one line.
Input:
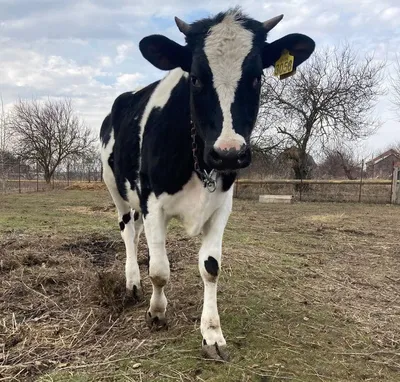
{"points": [[284, 66]]}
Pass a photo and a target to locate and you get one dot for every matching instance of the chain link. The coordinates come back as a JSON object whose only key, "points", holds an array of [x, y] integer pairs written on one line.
{"points": [[206, 178], [194, 149]]}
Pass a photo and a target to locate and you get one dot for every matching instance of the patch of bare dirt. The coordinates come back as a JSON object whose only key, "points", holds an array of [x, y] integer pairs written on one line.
{"points": [[65, 303]]}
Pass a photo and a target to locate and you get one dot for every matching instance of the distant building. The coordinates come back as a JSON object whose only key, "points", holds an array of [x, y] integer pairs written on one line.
{"points": [[382, 165]]}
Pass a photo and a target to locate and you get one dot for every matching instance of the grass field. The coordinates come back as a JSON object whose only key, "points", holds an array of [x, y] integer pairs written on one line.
{"points": [[308, 292]]}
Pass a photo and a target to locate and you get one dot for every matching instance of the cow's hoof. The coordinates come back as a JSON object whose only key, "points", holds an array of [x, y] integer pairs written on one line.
{"points": [[156, 323], [138, 293], [215, 352], [134, 295]]}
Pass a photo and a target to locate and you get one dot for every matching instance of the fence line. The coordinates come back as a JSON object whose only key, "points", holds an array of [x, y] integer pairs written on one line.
{"points": [[321, 190], [312, 181], [17, 177]]}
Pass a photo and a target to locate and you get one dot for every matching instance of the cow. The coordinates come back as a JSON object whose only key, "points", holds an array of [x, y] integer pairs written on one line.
{"points": [[174, 147]]}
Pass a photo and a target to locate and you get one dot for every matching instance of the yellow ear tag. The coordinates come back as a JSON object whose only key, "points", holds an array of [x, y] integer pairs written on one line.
{"points": [[284, 66]]}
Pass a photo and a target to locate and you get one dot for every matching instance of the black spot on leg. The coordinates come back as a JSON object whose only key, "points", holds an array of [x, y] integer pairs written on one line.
{"points": [[126, 218], [121, 226], [136, 216], [211, 266], [204, 342]]}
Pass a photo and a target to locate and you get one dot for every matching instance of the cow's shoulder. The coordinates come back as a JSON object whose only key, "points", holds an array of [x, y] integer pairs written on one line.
{"points": [[129, 106]]}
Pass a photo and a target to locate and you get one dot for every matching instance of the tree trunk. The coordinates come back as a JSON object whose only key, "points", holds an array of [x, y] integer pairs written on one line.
{"points": [[47, 176], [302, 171]]}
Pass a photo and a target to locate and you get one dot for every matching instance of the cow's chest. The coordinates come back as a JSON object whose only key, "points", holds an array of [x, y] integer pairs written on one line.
{"points": [[194, 204]]}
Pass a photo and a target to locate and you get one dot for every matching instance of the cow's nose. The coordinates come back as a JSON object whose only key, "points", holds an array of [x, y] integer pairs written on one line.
{"points": [[229, 159]]}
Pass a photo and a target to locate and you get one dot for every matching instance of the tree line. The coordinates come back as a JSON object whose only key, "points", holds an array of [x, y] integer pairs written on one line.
{"points": [[324, 111]]}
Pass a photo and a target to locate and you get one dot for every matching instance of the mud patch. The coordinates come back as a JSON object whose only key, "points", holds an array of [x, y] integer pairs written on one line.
{"points": [[99, 250]]}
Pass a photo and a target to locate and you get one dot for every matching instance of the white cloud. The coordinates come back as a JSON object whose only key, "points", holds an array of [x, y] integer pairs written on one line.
{"points": [[128, 81], [389, 14], [327, 20], [122, 52], [105, 61]]}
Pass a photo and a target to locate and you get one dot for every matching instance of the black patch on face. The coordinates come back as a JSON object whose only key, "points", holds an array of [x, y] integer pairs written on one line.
{"points": [[245, 106], [136, 216], [126, 218], [211, 266], [204, 342], [121, 226]]}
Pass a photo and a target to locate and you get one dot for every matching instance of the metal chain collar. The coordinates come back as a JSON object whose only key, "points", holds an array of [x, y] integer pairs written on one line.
{"points": [[207, 178]]}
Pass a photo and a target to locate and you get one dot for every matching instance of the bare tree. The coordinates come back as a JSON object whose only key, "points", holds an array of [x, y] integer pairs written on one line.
{"points": [[330, 99], [395, 82], [340, 162], [301, 163], [49, 133]]}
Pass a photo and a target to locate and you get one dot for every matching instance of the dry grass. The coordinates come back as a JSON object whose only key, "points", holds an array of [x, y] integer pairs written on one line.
{"points": [[308, 292], [86, 186]]}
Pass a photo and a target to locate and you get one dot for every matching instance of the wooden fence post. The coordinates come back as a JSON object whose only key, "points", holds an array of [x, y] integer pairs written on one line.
{"points": [[237, 186], [19, 175], [395, 177], [361, 181], [37, 176]]}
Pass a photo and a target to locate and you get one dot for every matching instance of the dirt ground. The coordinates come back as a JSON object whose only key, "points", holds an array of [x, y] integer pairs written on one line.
{"points": [[308, 292]]}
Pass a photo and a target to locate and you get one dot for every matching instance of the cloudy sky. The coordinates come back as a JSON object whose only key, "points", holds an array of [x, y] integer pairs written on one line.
{"points": [[88, 49]]}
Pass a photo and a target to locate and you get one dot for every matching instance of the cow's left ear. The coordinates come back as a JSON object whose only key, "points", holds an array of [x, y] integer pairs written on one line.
{"points": [[164, 53], [298, 45]]}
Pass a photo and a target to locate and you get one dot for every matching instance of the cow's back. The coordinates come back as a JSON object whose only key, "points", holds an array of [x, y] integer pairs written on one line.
{"points": [[120, 136]]}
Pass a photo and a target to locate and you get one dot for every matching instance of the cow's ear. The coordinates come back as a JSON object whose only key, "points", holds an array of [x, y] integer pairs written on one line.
{"points": [[299, 46], [165, 54]]}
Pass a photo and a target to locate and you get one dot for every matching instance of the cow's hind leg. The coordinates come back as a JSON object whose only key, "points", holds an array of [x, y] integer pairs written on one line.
{"points": [[214, 345], [131, 225], [155, 225]]}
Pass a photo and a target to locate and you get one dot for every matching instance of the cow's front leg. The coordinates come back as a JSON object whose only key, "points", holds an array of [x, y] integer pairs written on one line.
{"points": [[214, 345], [155, 230]]}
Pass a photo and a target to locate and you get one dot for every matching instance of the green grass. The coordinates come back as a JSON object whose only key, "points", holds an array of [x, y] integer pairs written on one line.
{"points": [[307, 293]]}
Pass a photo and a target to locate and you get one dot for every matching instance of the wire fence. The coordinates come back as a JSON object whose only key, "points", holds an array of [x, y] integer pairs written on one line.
{"points": [[19, 177], [362, 191]]}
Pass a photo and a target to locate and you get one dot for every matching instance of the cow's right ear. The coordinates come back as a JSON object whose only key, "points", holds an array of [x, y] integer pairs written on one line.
{"points": [[165, 54]]}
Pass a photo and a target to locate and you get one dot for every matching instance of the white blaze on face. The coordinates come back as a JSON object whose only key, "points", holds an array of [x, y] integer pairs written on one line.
{"points": [[226, 47]]}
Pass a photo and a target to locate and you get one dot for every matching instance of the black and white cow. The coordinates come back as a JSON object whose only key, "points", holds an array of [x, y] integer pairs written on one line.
{"points": [[173, 148]]}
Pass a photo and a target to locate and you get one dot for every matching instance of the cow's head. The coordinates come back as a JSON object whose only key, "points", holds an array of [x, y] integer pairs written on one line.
{"points": [[225, 57]]}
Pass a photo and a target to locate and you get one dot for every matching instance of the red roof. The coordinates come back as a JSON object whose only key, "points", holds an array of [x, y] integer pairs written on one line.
{"points": [[383, 156]]}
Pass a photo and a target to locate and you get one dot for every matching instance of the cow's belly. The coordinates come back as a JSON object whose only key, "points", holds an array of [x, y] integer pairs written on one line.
{"points": [[194, 205]]}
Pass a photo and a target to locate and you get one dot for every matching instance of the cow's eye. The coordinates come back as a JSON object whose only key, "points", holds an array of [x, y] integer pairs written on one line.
{"points": [[195, 81], [256, 81]]}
